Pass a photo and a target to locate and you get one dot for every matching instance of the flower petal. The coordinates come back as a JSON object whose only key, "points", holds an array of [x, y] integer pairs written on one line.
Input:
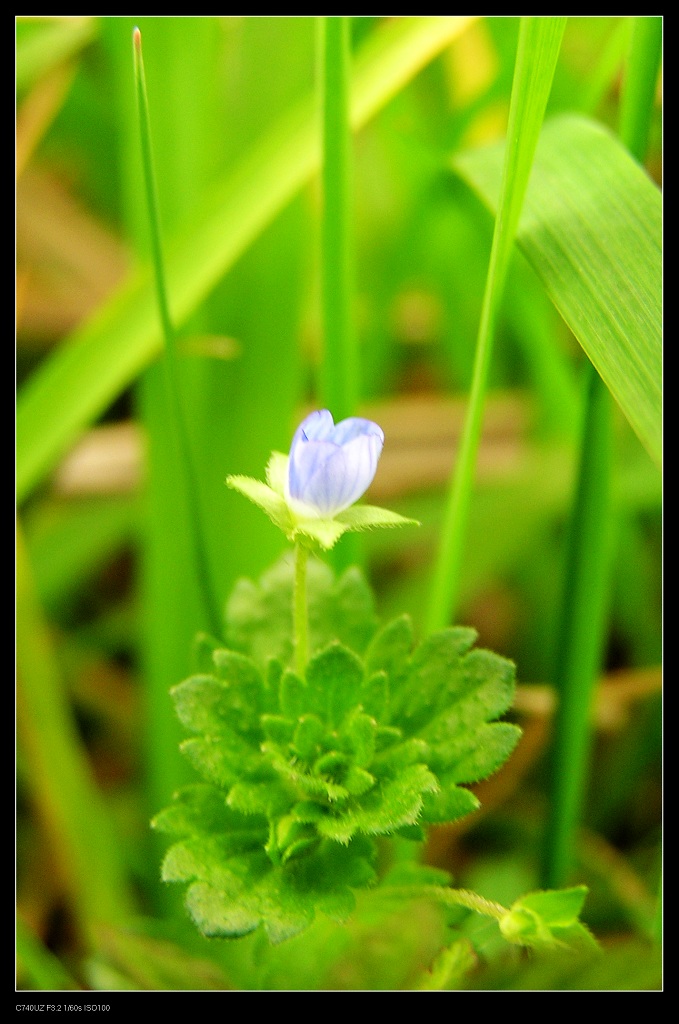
{"points": [[317, 426], [341, 478], [353, 427], [330, 465], [306, 458]]}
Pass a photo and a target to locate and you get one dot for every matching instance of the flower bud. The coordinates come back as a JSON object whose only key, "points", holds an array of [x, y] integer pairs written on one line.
{"points": [[331, 465]]}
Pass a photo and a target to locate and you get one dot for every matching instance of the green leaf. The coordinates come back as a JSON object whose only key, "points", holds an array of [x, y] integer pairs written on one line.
{"points": [[537, 53], [396, 803], [391, 647], [231, 899], [433, 669], [591, 228], [479, 754], [449, 967], [451, 803], [201, 808], [232, 699], [221, 759], [334, 680], [375, 695], [308, 735], [301, 767], [292, 695]]}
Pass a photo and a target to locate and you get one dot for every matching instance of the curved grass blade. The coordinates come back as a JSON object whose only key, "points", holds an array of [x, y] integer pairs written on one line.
{"points": [[591, 228], [123, 337]]}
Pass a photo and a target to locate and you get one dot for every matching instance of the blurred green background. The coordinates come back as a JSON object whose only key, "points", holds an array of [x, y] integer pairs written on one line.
{"points": [[107, 601]]}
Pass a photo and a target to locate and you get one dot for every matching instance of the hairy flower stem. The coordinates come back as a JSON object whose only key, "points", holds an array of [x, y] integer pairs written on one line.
{"points": [[300, 611], [455, 898]]}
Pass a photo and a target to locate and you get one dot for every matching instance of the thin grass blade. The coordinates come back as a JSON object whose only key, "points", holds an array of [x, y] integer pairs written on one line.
{"points": [[538, 50]]}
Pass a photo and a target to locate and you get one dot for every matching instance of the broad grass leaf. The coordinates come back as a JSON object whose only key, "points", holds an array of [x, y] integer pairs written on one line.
{"points": [[591, 228]]}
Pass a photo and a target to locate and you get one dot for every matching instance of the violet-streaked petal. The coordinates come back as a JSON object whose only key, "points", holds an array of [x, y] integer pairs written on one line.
{"points": [[353, 427], [331, 466], [342, 478], [317, 426], [306, 458]]}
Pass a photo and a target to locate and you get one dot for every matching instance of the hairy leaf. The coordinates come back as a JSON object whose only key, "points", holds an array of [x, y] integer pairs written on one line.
{"points": [[302, 772]]}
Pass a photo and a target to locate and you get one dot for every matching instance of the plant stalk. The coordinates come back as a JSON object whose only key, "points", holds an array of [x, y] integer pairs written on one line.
{"points": [[300, 609]]}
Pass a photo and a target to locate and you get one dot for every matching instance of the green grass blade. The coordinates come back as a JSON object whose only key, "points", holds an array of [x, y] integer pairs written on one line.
{"points": [[339, 376], [635, 117], [182, 58], [592, 230], [40, 48], [339, 371], [582, 619], [108, 352], [177, 425], [636, 101], [538, 50], [84, 838]]}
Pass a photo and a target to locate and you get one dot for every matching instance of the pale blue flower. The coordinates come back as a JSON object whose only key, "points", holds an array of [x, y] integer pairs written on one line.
{"points": [[331, 465]]}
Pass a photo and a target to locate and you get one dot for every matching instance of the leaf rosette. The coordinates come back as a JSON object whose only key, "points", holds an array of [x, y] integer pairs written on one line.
{"points": [[301, 774]]}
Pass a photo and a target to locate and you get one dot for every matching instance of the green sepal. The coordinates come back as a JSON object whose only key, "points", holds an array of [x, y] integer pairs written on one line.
{"points": [[267, 499], [371, 517], [549, 919], [318, 532]]}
